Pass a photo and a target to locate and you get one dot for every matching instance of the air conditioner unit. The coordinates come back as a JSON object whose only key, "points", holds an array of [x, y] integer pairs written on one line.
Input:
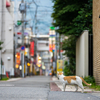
{"points": [[3, 50]]}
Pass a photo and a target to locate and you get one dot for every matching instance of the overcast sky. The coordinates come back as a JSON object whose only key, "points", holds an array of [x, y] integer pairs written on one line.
{"points": [[44, 11]]}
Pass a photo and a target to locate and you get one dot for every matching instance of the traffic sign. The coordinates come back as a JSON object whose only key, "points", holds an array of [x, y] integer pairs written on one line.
{"points": [[22, 48], [52, 28], [19, 22], [19, 33]]}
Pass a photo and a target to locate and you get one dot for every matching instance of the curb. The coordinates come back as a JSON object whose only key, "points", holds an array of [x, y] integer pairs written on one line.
{"points": [[13, 79]]}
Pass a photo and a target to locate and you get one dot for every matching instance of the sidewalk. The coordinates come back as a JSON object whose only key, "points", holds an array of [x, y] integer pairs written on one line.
{"points": [[13, 79], [69, 87]]}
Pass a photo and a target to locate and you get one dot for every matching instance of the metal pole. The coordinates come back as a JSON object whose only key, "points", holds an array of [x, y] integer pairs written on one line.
{"points": [[53, 54], [59, 46], [56, 54], [35, 30], [15, 41], [22, 43]]}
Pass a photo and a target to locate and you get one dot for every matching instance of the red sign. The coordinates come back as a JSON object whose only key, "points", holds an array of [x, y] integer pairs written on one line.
{"points": [[19, 33], [32, 48]]}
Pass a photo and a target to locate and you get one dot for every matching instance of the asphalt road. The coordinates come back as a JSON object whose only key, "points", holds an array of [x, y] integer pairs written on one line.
{"points": [[38, 88], [59, 95], [30, 88]]}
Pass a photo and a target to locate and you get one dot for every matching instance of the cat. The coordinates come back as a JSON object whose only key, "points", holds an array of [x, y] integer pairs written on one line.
{"points": [[72, 80]]}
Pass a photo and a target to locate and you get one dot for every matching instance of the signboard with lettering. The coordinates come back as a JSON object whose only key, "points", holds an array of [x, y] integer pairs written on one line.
{"points": [[32, 48]]}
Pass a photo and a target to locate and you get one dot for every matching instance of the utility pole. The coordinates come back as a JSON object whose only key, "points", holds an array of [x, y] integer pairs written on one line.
{"points": [[59, 46], [36, 29], [22, 54]]}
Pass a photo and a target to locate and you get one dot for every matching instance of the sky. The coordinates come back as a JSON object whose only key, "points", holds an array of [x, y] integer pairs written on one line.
{"points": [[44, 11]]}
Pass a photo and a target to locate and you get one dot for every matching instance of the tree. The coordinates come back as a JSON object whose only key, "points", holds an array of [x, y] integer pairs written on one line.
{"points": [[72, 17], [64, 13], [69, 47]]}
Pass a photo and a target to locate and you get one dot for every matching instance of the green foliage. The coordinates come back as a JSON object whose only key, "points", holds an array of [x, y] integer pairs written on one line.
{"points": [[69, 47], [96, 87], [90, 79], [0, 45], [71, 17], [64, 14], [84, 19], [4, 79], [69, 69]]}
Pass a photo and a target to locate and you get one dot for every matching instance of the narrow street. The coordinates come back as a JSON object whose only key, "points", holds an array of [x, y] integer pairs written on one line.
{"points": [[38, 88]]}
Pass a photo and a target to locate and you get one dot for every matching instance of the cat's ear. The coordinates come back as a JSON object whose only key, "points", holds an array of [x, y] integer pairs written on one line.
{"points": [[57, 72], [62, 73]]}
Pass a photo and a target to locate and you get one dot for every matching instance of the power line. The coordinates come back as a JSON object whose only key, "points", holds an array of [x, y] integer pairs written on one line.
{"points": [[44, 6], [34, 2], [28, 11]]}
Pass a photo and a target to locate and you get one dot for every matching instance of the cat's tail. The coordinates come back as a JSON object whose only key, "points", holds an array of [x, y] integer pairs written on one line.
{"points": [[85, 82]]}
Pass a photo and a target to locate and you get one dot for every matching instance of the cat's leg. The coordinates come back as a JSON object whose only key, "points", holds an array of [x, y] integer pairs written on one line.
{"points": [[76, 86], [79, 83], [64, 85], [81, 86]]}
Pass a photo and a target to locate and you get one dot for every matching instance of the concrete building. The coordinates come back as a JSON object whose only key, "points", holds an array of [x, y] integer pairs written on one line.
{"points": [[6, 36], [96, 40], [42, 44]]}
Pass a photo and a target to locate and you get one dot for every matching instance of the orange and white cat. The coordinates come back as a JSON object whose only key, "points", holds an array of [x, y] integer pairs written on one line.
{"points": [[72, 80]]}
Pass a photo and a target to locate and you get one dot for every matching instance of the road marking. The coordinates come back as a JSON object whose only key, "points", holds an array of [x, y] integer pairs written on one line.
{"points": [[6, 85]]}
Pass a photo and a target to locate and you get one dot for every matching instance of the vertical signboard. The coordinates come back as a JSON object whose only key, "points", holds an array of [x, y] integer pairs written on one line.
{"points": [[52, 39], [18, 58], [59, 65], [32, 48]]}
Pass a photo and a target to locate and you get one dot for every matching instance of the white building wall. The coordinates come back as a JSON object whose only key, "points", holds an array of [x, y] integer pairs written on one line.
{"points": [[0, 17], [82, 55], [7, 37]]}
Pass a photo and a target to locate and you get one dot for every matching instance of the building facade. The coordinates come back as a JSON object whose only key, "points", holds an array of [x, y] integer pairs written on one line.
{"points": [[6, 36], [96, 40]]}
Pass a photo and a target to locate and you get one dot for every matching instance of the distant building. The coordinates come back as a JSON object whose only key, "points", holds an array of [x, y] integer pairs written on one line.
{"points": [[42, 48]]}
